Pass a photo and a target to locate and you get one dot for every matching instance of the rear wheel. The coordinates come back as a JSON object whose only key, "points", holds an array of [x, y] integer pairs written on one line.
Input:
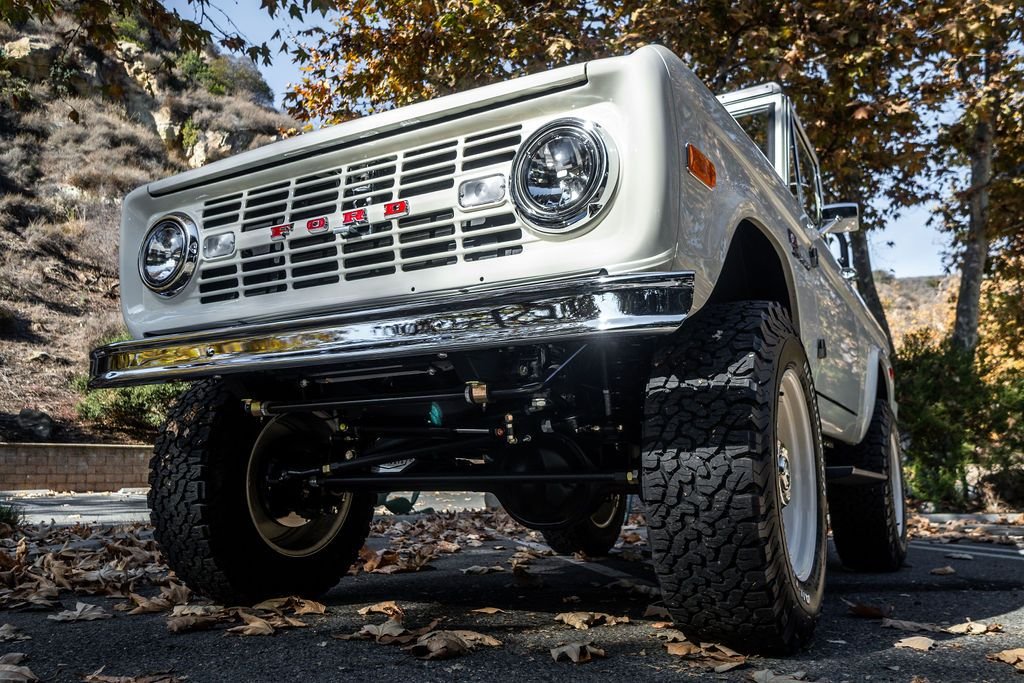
{"points": [[869, 521], [594, 535], [733, 479], [223, 528]]}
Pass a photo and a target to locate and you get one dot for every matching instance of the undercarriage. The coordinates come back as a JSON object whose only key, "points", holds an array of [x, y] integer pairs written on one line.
{"points": [[551, 429]]}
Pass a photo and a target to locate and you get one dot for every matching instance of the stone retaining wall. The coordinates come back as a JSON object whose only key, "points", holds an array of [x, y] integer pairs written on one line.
{"points": [[73, 467]]}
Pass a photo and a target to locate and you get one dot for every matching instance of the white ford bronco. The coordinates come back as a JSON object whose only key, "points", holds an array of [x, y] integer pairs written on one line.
{"points": [[564, 289]]}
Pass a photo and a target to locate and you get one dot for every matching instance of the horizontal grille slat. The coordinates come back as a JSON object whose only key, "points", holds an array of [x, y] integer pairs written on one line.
{"points": [[481, 162], [438, 235], [492, 146]]}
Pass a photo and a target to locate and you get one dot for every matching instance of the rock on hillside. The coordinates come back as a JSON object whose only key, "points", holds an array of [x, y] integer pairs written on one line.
{"points": [[78, 130], [915, 303]]}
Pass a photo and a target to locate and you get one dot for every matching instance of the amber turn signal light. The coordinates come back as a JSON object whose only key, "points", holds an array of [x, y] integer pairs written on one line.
{"points": [[699, 166]]}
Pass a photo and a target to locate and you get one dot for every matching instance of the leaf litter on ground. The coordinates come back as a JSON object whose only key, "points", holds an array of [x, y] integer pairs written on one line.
{"points": [[711, 655]]}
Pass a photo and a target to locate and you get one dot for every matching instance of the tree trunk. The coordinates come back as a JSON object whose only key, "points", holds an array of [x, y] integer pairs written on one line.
{"points": [[866, 280], [976, 243]]}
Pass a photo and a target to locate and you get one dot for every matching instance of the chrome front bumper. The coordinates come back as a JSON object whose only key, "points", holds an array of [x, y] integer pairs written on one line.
{"points": [[475, 318]]}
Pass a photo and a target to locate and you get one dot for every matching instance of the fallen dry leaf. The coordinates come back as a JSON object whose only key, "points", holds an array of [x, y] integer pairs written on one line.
{"points": [[10, 633], [916, 643], [439, 645], [911, 625], [388, 607], [83, 612], [14, 673], [477, 569], [281, 621], [99, 677], [672, 635], [448, 547], [391, 631], [960, 556], [303, 606], [253, 626], [682, 648], [296, 604], [631, 537], [148, 605], [657, 611], [577, 653], [584, 620], [487, 610], [448, 644], [867, 611], [197, 611], [712, 655], [1014, 658], [943, 571], [974, 628]]}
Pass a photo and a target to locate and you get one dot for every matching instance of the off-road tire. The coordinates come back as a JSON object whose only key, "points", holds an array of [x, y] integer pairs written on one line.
{"points": [[586, 536], [197, 499], [864, 517], [710, 480]]}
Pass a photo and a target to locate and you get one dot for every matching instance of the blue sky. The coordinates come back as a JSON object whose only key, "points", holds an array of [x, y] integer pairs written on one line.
{"points": [[916, 249]]}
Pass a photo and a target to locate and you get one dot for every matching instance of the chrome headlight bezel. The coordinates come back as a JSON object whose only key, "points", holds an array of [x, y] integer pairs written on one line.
{"points": [[186, 266], [599, 187]]}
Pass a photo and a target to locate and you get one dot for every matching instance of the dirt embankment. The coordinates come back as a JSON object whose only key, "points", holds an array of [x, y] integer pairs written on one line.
{"points": [[69, 151]]}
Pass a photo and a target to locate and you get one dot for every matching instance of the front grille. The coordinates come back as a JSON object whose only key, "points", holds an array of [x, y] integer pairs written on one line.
{"points": [[425, 239]]}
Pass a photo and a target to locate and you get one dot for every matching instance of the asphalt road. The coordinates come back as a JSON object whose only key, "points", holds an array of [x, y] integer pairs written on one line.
{"points": [[988, 588]]}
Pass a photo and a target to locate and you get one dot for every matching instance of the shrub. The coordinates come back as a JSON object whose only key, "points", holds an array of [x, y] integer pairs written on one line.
{"points": [[955, 413], [189, 134], [128, 28], [11, 515], [223, 75], [133, 408]]}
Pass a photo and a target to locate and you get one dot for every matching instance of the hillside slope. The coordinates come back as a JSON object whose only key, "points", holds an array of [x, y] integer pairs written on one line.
{"points": [[79, 128], [916, 303]]}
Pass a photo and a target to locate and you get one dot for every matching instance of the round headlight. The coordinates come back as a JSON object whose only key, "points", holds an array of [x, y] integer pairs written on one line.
{"points": [[169, 254], [560, 175]]}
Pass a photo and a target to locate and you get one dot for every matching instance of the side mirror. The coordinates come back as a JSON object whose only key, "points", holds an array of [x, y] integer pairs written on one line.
{"points": [[836, 218]]}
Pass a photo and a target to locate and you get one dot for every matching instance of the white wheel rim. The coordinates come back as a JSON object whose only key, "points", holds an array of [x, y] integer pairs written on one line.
{"points": [[896, 480], [795, 458]]}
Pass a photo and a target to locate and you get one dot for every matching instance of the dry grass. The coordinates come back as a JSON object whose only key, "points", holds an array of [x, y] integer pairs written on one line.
{"points": [[61, 185], [235, 114], [106, 154]]}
